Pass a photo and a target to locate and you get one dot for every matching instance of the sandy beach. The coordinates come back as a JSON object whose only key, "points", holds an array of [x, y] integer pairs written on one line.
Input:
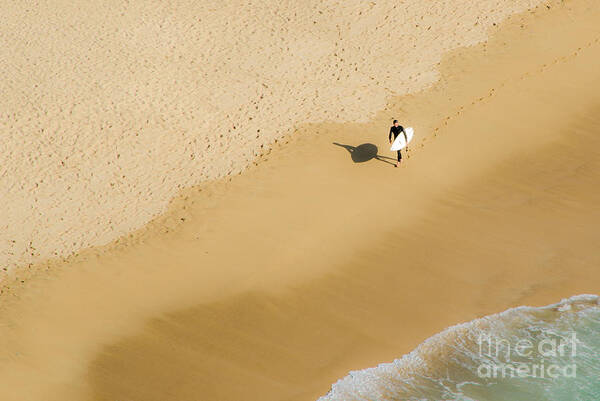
{"points": [[109, 110], [320, 258]]}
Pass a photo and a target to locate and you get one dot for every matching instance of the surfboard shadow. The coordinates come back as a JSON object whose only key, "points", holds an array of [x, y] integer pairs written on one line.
{"points": [[365, 152]]}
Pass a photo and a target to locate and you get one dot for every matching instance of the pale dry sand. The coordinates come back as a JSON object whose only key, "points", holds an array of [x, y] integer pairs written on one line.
{"points": [[109, 108], [275, 283]]}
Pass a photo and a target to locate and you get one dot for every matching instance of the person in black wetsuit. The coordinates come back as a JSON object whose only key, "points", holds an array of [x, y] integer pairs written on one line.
{"points": [[396, 130]]}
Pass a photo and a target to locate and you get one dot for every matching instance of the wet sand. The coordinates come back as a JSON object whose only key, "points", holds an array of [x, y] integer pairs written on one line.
{"points": [[324, 258]]}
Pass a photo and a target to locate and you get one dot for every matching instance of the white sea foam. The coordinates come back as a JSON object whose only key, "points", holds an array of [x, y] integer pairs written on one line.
{"points": [[442, 367]]}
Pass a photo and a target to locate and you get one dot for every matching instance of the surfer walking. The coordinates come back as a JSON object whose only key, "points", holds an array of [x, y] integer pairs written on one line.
{"points": [[396, 130]]}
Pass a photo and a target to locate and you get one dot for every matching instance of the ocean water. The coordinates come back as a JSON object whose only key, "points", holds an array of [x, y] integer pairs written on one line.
{"points": [[525, 353]]}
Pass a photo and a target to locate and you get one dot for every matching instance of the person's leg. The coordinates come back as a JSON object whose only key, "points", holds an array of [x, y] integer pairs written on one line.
{"points": [[399, 158]]}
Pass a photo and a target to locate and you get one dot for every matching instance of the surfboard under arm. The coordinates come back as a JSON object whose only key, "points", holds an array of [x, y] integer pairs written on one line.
{"points": [[402, 141]]}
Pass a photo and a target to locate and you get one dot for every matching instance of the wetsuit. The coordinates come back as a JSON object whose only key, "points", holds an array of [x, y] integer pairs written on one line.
{"points": [[394, 132]]}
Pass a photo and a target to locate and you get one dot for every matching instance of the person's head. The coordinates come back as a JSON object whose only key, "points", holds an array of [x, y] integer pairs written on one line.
{"points": [[395, 123]]}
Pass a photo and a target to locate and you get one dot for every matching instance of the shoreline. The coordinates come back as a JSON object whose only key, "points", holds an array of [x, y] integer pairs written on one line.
{"points": [[192, 269], [431, 358]]}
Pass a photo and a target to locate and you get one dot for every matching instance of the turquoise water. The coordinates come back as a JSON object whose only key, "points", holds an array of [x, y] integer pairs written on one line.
{"points": [[525, 353]]}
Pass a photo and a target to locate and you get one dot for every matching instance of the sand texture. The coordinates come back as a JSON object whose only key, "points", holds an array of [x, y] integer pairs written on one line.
{"points": [[108, 109], [324, 258]]}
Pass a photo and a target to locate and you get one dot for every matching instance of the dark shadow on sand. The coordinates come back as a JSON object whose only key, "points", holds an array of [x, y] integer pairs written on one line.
{"points": [[365, 152]]}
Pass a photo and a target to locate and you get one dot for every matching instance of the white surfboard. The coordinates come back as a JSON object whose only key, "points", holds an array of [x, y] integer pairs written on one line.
{"points": [[403, 140]]}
